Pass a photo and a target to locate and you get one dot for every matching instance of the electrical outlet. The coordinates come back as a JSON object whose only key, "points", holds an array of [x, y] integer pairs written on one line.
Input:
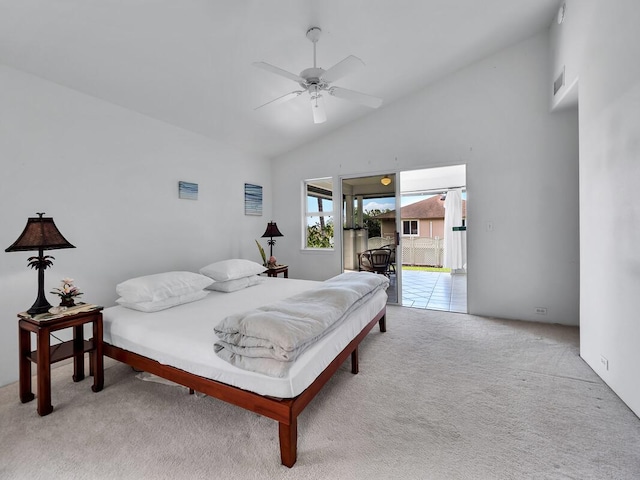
{"points": [[604, 362], [489, 226], [541, 310]]}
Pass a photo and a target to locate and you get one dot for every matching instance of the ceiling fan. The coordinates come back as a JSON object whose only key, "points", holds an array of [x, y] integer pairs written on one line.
{"points": [[316, 81]]}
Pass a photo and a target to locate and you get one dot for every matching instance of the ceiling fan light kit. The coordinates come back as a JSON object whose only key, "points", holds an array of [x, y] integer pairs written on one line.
{"points": [[316, 81]]}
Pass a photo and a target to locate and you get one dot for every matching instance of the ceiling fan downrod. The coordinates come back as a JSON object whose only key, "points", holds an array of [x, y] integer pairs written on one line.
{"points": [[313, 34]]}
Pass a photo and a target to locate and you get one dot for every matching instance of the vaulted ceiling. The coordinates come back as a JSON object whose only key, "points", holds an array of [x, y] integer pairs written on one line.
{"points": [[189, 62]]}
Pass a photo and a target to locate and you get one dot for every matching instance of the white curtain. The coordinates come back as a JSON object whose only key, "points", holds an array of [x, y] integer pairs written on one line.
{"points": [[453, 251]]}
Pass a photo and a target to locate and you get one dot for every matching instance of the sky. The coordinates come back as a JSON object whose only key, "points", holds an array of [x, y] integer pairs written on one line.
{"points": [[376, 203], [372, 204], [390, 203]]}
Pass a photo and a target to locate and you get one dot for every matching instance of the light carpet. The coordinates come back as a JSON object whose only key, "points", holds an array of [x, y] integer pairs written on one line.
{"points": [[439, 396]]}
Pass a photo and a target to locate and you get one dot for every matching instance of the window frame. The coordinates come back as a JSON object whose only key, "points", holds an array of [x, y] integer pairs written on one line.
{"points": [[308, 214], [417, 234]]}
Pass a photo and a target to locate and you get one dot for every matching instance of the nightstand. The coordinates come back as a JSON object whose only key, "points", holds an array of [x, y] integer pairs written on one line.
{"points": [[273, 272], [46, 354]]}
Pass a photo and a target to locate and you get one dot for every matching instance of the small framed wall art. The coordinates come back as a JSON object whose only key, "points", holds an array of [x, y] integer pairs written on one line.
{"points": [[252, 199], [188, 191]]}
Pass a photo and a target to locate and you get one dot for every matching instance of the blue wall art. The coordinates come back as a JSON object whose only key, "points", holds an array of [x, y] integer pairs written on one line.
{"points": [[188, 191], [252, 199]]}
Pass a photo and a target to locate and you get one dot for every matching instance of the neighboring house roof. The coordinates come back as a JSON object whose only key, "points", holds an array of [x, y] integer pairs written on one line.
{"points": [[431, 208]]}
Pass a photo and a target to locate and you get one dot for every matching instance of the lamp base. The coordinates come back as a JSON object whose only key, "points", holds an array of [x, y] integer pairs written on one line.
{"points": [[40, 306]]}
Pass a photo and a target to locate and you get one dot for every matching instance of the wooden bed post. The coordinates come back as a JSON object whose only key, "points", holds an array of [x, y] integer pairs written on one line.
{"points": [[383, 323], [355, 367], [288, 442]]}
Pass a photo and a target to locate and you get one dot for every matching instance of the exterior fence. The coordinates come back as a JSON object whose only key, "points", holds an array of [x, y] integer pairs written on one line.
{"points": [[379, 242], [420, 251]]}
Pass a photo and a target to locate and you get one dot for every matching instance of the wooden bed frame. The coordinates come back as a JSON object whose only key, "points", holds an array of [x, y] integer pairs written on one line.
{"points": [[284, 410]]}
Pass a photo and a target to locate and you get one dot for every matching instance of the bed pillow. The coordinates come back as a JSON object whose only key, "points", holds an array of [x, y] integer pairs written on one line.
{"points": [[232, 269], [152, 288], [157, 305], [233, 285]]}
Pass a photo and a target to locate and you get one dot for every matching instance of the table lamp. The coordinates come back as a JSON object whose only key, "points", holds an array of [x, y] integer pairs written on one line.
{"points": [[271, 231], [40, 234]]}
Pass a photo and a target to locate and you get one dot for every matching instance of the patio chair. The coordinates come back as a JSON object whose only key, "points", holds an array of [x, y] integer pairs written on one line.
{"points": [[392, 257], [376, 261]]}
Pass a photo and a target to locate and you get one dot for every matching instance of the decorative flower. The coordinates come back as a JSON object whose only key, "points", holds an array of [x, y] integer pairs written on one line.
{"points": [[272, 261], [67, 289]]}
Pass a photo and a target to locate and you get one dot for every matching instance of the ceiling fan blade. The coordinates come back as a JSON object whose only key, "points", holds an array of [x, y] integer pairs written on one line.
{"points": [[342, 68], [317, 107], [281, 99], [353, 96], [278, 71]]}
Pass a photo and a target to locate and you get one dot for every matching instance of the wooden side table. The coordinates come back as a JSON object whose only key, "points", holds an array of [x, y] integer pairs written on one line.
{"points": [[46, 354], [273, 272]]}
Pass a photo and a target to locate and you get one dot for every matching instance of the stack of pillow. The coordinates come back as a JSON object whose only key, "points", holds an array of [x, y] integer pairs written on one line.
{"points": [[152, 293], [232, 275]]}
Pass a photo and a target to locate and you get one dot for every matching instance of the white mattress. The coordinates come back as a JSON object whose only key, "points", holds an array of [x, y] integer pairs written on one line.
{"points": [[183, 336]]}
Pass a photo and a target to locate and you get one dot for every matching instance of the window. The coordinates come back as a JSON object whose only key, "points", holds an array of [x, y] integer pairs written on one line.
{"points": [[410, 227], [318, 214]]}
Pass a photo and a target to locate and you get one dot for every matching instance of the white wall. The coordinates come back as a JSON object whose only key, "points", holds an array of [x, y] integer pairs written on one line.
{"points": [[568, 49], [109, 178], [522, 176], [609, 102]]}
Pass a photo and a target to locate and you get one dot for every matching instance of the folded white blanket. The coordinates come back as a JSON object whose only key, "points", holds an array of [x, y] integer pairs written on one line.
{"points": [[269, 338]]}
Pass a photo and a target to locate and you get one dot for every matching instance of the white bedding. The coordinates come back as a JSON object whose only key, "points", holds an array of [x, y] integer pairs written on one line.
{"points": [[184, 336]]}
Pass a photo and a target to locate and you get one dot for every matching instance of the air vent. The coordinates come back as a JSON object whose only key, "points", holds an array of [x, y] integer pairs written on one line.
{"points": [[557, 85]]}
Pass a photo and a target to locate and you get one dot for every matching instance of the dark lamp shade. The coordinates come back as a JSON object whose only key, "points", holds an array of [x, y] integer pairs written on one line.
{"points": [[272, 230], [40, 233]]}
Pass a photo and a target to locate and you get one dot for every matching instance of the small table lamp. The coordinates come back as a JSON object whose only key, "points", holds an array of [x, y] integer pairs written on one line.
{"points": [[271, 231], [40, 234]]}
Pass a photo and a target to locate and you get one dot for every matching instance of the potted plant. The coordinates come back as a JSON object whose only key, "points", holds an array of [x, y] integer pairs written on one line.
{"points": [[262, 254], [67, 292]]}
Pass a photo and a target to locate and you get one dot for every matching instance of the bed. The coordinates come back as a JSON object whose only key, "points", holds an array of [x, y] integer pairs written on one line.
{"points": [[177, 344]]}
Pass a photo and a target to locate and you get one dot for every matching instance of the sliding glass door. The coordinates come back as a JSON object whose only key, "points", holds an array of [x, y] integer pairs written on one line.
{"points": [[369, 223]]}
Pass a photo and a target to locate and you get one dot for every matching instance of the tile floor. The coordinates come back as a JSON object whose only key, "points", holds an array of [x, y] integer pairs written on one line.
{"points": [[434, 291]]}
